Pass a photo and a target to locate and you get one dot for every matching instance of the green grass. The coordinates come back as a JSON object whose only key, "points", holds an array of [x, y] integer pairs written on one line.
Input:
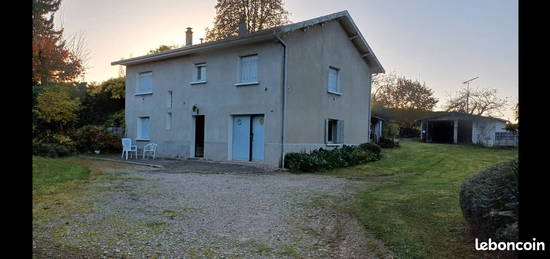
{"points": [[411, 202], [50, 171]]}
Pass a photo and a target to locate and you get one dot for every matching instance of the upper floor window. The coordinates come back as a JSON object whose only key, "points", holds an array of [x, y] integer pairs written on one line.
{"points": [[199, 74], [145, 83], [334, 80], [249, 70]]}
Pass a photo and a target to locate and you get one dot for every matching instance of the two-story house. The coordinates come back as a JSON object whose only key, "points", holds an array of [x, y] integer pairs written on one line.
{"points": [[257, 96]]}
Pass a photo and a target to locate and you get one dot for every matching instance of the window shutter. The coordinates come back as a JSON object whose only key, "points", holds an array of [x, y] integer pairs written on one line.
{"points": [[145, 83], [203, 73], [249, 68], [326, 131], [146, 128], [333, 80], [139, 128], [340, 132]]}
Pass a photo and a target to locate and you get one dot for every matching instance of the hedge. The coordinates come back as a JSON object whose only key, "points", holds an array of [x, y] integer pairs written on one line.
{"points": [[325, 159], [489, 200]]}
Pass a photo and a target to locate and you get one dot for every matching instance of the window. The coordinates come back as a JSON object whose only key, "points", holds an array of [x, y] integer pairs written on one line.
{"points": [[169, 100], [168, 120], [333, 80], [143, 128], [249, 70], [199, 75], [334, 131], [145, 83]]}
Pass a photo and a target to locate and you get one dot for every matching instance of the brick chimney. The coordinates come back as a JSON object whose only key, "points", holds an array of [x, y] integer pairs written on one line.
{"points": [[188, 37]]}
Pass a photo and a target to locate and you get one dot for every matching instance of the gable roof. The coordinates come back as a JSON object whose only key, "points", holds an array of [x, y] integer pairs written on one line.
{"points": [[343, 17]]}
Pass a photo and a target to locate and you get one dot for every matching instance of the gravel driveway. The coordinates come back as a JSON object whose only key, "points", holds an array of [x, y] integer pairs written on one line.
{"points": [[142, 212]]}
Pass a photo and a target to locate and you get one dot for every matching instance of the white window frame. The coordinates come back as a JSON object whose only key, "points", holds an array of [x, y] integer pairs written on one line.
{"points": [[139, 90], [338, 90], [337, 138], [199, 67], [253, 81], [139, 135]]}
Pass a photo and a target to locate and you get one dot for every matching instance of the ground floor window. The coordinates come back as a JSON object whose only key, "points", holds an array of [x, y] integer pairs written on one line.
{"points": [[334, 131], [143, 127]]}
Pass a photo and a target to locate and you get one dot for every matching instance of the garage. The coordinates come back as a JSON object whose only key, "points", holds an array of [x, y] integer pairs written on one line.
{"points": [[248, 138], [461, 128]]}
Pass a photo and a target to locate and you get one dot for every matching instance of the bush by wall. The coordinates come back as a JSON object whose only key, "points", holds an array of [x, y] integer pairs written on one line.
{"points": [[325, 159], [489, 200]]}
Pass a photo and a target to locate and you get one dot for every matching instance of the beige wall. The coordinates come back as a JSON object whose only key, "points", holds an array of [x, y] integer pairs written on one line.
{"points": [[218, 99], [310, 54]]}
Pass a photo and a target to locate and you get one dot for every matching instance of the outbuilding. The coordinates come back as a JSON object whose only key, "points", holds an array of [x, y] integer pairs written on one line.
{"points": [[464, 128]]}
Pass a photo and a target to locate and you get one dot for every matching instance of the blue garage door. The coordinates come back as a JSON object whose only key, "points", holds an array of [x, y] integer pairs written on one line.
{"points": [[248, 138]]}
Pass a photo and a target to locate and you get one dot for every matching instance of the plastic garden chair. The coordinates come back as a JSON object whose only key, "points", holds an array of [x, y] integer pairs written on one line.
{"points": [[151, 148], [128, 147]]}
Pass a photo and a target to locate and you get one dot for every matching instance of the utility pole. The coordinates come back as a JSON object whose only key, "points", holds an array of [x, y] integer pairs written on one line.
{"points": [[467, 83]]}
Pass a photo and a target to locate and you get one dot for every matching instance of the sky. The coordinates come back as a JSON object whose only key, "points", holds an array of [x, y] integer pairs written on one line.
{"points": [[442, 43]]}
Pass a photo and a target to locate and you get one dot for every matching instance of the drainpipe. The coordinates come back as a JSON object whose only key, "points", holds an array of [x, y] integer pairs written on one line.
{"points": [[283, 101]]}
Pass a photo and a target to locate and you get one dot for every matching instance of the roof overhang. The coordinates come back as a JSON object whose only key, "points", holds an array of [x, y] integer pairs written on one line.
{"points": [[353, 32], [209, 46], [459, 115], [343, 17]]}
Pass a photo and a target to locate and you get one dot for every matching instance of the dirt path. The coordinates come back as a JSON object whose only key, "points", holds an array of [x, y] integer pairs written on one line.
{"points": [[142, 212]]}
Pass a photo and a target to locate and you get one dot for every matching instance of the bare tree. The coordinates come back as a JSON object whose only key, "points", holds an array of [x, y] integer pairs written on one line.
{"points": [[483, 101], [257, 14]]}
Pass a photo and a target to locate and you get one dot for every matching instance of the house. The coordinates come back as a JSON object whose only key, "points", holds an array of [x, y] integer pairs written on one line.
{"points": [[464, 128], [257, 96]]}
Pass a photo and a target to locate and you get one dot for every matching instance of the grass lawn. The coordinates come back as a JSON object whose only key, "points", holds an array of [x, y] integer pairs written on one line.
{"points": [[412, 200], [47, 172]]}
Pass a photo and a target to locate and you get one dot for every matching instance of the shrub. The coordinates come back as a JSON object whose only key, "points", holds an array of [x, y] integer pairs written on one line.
{"points": [[90, 138], [371, 147], [324, 159], [489, 200], [49, 149], [388, 143], [302, 162]]}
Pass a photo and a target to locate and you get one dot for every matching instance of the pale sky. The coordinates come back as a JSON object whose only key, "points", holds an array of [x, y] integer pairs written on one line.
{"points": [[442, 43]]}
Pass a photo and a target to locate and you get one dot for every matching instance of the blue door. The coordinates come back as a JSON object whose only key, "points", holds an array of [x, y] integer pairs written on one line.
{"points": [[258, 138], [241, 138]]}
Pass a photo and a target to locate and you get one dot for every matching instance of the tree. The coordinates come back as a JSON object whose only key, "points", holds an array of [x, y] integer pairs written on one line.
{"points": [[477, 101], [103, 102], [162, 48], [52, 60], [397, 92], [56, 107], [257, 15], [390, 130]]}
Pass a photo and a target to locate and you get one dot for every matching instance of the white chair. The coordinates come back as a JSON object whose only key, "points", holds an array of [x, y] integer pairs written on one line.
{"points": [[151, 148], [128, 147]]}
